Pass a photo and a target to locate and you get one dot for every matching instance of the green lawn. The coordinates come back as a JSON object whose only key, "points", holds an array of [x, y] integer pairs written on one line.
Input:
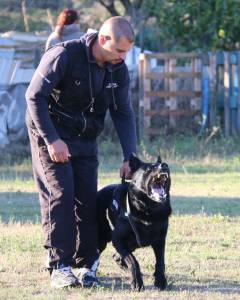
{"points": [[202, 251]]}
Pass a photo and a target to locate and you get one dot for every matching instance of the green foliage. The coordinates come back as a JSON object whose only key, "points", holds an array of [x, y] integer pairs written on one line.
{"points": [[188, 25]]}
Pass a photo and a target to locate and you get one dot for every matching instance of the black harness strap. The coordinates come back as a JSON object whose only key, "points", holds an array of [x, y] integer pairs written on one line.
{"points": [[130, 218], [131, 222]]}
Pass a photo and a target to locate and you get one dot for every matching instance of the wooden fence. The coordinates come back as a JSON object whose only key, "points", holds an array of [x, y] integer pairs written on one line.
{"points": [[189, 92]]}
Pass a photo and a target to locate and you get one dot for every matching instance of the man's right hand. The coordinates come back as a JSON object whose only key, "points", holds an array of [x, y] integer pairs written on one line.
{"points": [[58, 151]]}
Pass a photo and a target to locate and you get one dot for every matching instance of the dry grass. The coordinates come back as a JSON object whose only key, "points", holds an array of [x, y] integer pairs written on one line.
{"points": [[202, 263], [202, 254]]}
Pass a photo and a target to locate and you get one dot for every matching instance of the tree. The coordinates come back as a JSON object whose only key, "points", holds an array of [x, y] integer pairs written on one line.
{"points": [[194, 24], [184, 25]]}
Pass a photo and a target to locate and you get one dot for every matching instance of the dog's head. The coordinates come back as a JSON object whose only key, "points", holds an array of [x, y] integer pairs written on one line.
{"points": [[151, 178]]}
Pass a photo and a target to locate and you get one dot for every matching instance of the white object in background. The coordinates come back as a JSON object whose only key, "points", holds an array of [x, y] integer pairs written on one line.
{"points": [[5, 100]]}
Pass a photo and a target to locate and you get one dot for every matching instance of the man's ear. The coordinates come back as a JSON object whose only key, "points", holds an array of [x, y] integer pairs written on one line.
{"points": [[102, 39], [134, 163]]}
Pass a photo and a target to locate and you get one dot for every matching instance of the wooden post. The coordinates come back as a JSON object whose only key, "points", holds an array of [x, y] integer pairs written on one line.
{"points": [[146, 88], [166, 84], [226, 95], [238, 98], [206, 89], [195, 103], [172, 88], [220, 86], [233, 93], [25, 16], [141, 97], [213, 86]]}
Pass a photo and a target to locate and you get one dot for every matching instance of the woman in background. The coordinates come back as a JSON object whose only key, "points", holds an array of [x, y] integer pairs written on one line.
{"points": [[67, 28]]}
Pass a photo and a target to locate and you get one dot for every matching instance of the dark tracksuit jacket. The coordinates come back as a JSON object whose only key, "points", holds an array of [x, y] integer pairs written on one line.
{"points": [[67, 98]]}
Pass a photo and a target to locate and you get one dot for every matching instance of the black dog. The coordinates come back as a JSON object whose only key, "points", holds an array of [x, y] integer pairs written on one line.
{"points": [[135, 214]]}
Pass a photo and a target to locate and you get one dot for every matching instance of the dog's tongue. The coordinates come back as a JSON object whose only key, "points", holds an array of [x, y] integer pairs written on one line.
{"points": [[158, 192]]}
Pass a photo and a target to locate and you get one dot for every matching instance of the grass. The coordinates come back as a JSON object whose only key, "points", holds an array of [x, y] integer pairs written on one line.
{"points": [[202, 255], [202, 262]]}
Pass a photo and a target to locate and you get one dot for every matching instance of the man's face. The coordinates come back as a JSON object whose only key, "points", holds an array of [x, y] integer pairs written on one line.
{"points": [[115, 52]]}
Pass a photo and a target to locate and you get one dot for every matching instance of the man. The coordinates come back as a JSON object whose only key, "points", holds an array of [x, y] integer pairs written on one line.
{"points": [[73, 86]]}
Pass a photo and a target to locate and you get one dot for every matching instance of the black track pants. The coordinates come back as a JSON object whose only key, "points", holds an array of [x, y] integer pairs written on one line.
{"points": [[67, 193]]}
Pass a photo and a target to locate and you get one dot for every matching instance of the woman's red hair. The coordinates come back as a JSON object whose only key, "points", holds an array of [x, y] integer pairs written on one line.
{"points": [[67, 16]]}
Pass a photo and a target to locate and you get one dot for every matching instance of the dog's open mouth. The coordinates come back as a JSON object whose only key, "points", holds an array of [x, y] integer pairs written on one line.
{"points": [[156, 187]]}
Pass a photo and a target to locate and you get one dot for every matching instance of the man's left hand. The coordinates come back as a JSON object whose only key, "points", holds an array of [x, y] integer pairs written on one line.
{"points": [[125, 171]]}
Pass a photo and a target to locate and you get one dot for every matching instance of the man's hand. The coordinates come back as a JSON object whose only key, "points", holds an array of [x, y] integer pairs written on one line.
{"points": [[58, 151], [125, 171]]}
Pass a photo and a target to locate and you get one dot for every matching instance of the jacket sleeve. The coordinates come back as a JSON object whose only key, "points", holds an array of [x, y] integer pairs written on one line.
{"points": [[50, 71], [124, 120]]}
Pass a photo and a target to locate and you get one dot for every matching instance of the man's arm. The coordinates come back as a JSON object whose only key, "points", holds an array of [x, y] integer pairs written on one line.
{"points": [[124, 120], [49, 72]]}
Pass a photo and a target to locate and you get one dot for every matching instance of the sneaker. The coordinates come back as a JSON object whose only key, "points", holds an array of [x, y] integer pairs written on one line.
{"points": [[87, 278], [63, 277]]}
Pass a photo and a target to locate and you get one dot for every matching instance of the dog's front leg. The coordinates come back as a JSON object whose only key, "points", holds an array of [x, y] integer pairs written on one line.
{"points": [[130, 261], [159, 274]]}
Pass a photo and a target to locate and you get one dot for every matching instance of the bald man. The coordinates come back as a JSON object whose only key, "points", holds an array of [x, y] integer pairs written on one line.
{"points": [[74, 85]]}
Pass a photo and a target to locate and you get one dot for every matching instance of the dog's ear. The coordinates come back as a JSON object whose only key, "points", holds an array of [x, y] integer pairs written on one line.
{"points": [[159, 160], [134, 163]]}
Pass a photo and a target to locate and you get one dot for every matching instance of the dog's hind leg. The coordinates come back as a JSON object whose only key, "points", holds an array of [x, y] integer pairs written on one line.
{"points": [[159, 274]]}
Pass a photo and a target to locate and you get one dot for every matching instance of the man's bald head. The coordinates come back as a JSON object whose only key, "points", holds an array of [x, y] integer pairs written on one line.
{"points": [[117, 27]]}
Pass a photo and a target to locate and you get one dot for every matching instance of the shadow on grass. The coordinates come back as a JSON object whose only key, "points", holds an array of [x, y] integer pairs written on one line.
{"points": [[176, 284], [24, 207], [206, 205]]}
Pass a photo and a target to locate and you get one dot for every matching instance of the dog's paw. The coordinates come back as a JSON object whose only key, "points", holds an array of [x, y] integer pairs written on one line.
{"points": [[161, 282], [137, 285], [137, 282]]}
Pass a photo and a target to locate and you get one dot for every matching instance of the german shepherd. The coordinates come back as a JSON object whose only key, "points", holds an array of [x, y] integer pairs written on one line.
{"points": [[135, 214]]}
